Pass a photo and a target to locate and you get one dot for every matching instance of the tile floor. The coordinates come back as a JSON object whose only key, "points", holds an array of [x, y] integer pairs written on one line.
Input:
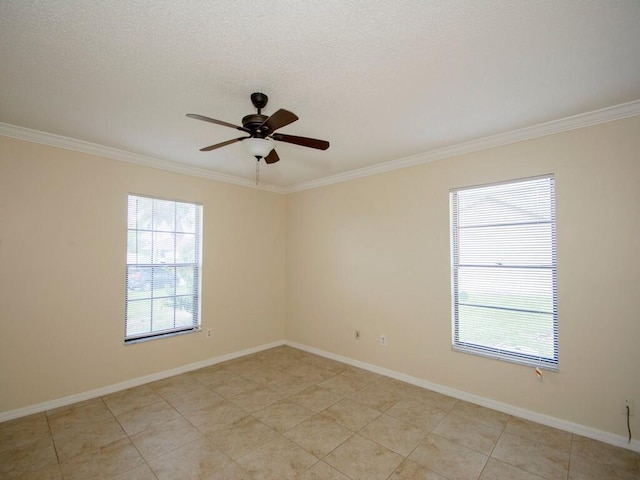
{"points": [[286, 414]]}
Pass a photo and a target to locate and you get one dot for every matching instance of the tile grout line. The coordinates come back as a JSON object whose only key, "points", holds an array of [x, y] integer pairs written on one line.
{"points": [[146, 462], [490, 456], [53, 442], [570, 456], [130, 440]]}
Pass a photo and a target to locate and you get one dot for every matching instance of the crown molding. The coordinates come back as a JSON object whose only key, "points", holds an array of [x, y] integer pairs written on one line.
{"points": [[575, 122], [50, 139]]}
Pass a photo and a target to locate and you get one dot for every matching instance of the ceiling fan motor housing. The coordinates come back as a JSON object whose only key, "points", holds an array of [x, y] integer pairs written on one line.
{"points": [[252, 122]]}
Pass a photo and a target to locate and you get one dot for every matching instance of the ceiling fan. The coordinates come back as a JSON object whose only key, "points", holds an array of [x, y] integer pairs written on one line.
{"points": [[261, 130]]}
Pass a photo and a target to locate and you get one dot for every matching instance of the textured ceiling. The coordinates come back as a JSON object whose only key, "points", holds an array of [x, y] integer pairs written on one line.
{"points": [[380, 80]]}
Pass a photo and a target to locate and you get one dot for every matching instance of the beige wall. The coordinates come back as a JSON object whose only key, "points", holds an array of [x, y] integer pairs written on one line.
{"points": [[62, 272], [373, 254]]}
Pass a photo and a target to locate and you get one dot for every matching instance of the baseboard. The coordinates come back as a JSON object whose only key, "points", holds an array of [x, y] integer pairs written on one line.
{"points": [[583, 430], [98, 392], [578, 429]]}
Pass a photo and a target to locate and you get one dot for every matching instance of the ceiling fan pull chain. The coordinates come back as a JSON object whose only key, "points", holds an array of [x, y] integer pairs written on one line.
{"points": [[257, 170]]}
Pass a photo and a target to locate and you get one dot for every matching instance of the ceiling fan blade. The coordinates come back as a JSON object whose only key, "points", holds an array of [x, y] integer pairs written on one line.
{"points": [[279, 120], [217, 122], [302, 141], [223, 144], [272, 157]]}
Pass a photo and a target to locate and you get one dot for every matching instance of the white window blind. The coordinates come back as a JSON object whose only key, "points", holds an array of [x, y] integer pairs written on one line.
{"points": [[163, 268], [504, 271]]}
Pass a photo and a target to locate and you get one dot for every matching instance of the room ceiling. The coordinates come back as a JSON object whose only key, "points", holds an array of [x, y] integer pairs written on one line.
{"points": [[381, 81]]}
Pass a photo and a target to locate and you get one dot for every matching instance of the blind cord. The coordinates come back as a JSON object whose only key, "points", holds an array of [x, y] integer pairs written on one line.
{"points": [[628, 424]]}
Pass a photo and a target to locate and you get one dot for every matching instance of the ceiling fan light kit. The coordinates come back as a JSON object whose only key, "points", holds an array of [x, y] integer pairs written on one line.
{"points": [[261, 130], [258, 147]]}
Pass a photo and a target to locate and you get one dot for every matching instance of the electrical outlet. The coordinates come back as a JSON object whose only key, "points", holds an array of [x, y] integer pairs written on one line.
{"points": [[383, 340], [209, 333], [357, 335], [626, 402]]}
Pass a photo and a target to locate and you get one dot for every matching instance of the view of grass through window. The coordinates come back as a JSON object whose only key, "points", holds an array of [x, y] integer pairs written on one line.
{"points": [[504, 271]]}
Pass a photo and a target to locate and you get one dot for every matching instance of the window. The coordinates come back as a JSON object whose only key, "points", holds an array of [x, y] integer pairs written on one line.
{"points": [[504, 271], [163, 268]]}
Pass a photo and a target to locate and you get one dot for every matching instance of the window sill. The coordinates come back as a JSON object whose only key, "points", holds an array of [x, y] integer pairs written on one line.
{"points": [[159, 336]]}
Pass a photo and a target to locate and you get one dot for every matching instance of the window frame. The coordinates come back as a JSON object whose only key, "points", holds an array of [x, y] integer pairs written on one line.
{"points": [[542, 361], [177, 299]]}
